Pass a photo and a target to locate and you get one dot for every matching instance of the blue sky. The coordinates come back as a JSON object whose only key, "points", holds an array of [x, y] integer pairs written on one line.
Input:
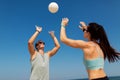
{"points": [[17, 23]]}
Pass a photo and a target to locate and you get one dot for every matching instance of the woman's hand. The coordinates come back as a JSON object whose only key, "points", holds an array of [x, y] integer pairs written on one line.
{"points": [[64, 21], [83, 25]]}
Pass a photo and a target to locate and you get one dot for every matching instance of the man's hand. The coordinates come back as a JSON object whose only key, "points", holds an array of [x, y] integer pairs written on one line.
{"points": [[39, 29], [51, 33]]}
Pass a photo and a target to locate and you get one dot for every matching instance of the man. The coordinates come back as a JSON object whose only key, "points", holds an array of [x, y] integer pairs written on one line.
{"points": [[40, 59]]}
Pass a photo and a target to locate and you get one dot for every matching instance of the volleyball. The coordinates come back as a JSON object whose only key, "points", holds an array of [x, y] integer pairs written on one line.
{"points": [[53, 7]]}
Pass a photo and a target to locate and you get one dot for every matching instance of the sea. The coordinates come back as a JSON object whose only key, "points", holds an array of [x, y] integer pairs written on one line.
{"points": [[110, 78]]}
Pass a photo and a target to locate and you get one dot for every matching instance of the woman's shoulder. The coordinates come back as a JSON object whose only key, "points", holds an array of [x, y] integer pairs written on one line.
{"points": [[90, 50], [90, 44]]}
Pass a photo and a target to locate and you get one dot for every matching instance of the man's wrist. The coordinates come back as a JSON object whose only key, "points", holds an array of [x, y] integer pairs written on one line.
{"points": [[37, 31]]}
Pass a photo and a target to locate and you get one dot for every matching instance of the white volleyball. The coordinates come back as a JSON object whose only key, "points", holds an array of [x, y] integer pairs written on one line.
{"points": [[53, 7]]}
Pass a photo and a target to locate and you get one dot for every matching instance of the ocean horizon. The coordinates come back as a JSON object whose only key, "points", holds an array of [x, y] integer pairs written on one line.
{"points": [[110, 78]]}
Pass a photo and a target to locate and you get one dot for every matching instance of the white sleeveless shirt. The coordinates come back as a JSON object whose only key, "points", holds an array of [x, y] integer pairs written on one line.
{"points": [[40, 67]]}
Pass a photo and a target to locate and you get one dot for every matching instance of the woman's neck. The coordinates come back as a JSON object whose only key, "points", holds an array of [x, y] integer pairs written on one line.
{"points": [[95, 41]]}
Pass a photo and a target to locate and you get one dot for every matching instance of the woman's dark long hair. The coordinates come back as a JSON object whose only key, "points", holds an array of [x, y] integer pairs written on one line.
{"points": [[98, 33]]}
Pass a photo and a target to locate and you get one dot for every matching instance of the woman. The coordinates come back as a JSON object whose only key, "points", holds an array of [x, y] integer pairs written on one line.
{"points": [[96, 49]]}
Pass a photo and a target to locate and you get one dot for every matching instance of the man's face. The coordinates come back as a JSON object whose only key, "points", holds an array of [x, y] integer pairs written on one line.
{"points": [[40, 45]]}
